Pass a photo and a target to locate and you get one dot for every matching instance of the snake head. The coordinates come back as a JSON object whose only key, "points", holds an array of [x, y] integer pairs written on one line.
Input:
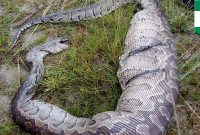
{"points": [[56, 45], [53, 46], [64, 40]]}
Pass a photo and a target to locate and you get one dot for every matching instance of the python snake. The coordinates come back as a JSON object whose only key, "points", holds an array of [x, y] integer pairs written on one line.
{"points": [[147, 74]]}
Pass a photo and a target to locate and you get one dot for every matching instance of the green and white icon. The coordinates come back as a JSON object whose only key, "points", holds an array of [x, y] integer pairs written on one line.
{"points": [[197, 16]]}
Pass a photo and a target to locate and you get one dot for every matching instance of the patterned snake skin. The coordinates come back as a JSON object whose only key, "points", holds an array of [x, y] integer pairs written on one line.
{"points": [[147, 74]]}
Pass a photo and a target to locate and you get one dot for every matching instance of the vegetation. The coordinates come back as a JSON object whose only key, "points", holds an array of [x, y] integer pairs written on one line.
{"points": [[82, 80]]}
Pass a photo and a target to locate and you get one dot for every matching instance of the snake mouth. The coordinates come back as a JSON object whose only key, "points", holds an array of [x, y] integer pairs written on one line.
{"points": [[64, 40]]}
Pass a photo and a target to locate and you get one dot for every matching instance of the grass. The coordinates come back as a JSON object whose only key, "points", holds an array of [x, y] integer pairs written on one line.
{"points": [[82, 80]]}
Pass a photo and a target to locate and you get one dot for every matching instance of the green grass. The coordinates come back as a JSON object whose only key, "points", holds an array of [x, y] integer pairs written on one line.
{"points": [[180, 18], [82, 80]]}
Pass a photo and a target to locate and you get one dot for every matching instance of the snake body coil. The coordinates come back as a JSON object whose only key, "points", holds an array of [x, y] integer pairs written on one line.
{"points": [[147, 75]]}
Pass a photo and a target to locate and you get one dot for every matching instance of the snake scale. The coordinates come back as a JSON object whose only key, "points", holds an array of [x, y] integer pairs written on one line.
{"points": [[147, 74]]}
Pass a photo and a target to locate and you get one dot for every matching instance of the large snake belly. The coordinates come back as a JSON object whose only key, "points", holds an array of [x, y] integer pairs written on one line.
{"points": [[147, 74]]}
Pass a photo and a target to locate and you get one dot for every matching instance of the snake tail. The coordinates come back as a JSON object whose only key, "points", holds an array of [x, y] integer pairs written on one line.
{"points": [[96, 10]]}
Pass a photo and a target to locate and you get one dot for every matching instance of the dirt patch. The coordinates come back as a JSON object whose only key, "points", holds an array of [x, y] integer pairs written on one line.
{"points": [[4, 108], [9, 75], [1, 12]]}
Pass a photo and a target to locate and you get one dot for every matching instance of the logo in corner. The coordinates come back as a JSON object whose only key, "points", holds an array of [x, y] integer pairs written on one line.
{"points": [[197, 17]]}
